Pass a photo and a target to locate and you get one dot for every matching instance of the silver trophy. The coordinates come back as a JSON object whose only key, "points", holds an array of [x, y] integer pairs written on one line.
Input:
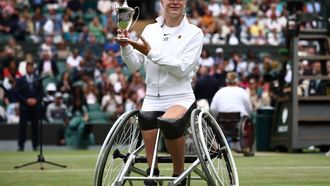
{"points": [[125, 18]]}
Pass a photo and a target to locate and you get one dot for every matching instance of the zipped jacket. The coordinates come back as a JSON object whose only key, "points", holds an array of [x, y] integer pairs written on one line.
{"points": [[169, 65]]}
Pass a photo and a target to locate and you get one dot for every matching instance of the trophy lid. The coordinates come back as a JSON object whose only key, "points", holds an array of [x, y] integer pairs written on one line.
{"points": [[125, 7]]}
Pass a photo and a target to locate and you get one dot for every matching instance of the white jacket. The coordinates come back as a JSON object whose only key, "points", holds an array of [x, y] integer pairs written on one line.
{"points": [[170, 65]]}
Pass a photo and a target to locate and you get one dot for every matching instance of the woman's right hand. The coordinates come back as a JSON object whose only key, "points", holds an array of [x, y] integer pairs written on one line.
{"points": [[122, 34]]}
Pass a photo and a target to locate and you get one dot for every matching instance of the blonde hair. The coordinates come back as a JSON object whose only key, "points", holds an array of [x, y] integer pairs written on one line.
{"points": [[231, 77]]}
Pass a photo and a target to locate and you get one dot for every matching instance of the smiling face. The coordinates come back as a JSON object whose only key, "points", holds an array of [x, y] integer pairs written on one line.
{"points": [[174, 8]]}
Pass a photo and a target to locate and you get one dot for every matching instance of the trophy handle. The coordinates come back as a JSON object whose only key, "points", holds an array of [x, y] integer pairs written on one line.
{"points": [[137, 17]]}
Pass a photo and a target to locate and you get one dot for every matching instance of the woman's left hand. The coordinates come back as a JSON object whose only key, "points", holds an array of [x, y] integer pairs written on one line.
{"points": [[143, 47]]}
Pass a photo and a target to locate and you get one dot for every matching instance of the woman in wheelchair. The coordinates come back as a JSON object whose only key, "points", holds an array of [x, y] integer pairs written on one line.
{"points": [[232, 106], [169, 51]]}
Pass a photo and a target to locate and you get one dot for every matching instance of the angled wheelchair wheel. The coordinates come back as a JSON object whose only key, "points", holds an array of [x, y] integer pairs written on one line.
{"points": [[123, 138], [247, 140], [212, 150]]}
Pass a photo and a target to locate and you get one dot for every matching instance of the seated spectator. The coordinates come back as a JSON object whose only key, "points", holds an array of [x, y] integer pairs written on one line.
{"points": [[11, 103], [65, 85], [109, 59], [257, 96], [110, 100], [131, 101], [206, 59], [16, 48], [79, 109], [5, 24], [63, 50], [72, 36], [317, 86], [57, 111], [38, 20], [73, 60], [118, 112], [48, 47], [22, 64], [96, 29], [10, 75], [47, 66], [91, 93], [12, 113]]}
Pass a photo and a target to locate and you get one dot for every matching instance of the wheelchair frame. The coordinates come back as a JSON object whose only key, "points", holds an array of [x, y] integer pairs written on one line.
{"points": [[207, 137]]}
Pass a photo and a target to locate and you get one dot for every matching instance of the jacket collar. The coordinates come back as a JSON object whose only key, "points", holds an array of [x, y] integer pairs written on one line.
{"points": [[161, 21]]}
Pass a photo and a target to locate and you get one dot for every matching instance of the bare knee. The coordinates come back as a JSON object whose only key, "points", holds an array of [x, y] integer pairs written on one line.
{"points": [[175, 112]]}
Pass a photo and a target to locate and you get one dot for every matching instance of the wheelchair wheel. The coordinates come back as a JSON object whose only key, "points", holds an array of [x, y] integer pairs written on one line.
{"points": [[123, 138], [212, 150], [247, 137]]}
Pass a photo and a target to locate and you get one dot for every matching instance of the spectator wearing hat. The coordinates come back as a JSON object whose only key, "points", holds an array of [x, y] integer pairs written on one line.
{"points": [[218, 55]]}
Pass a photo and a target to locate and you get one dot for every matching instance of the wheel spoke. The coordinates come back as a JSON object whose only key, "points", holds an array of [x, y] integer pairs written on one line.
{"points": [[213, 151], [123, 141]]}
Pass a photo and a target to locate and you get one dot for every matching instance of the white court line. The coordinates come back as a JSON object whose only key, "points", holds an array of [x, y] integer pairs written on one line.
{"points": [[296, 167], [164, 169]]}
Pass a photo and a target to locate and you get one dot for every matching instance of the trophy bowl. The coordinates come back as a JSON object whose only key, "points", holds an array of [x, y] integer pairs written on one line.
{"points": [[125, 18]]}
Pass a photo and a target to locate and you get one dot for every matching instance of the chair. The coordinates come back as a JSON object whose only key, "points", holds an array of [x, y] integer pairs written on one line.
{"points": [[239, 131], [94, 107], [98, 117]]}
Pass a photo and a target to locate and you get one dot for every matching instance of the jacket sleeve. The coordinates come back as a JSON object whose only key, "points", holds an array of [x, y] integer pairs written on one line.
{"points": [[187, 62], [132, 58]]}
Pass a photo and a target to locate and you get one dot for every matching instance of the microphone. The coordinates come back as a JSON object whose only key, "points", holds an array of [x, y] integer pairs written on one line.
{"points": [[44, 77]]}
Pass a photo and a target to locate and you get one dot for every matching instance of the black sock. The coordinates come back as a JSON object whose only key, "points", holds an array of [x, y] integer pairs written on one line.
{"points": [[183, 182], [151, 182]]}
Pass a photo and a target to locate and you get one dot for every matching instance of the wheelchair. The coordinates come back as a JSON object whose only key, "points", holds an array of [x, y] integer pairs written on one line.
{"points": [[238, 130], [122, 151]]}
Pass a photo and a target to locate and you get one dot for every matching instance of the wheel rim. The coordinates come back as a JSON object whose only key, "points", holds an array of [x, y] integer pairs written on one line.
{"points": [[125, 140], [218, 163]]}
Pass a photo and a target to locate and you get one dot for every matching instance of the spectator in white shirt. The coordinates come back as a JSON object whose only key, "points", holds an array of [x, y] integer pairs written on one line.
{"points": [[73, 60], [231, 98], [206, 59]]}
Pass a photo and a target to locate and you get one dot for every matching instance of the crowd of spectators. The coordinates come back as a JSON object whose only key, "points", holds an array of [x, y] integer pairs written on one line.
{"points": [[94, 78], [233, 22]]}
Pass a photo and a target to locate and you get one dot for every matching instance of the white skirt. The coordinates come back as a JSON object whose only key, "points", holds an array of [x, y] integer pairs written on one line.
{"points": [[162, 103]]}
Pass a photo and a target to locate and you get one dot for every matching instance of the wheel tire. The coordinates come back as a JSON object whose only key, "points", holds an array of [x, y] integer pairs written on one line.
{"points": [[123, 137], [213, 150]]}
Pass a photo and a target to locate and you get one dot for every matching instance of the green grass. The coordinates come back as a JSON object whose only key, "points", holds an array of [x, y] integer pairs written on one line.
{"points": [[263, 169]]}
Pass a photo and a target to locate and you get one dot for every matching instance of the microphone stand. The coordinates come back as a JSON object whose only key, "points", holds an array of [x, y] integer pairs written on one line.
{"points": [[41, 159]]}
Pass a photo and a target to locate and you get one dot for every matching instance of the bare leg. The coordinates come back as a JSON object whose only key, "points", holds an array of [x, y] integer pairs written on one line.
{"points": [[176, 147], [149, 137]]}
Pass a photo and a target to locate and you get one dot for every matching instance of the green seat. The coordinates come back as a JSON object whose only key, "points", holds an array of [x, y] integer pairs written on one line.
{"points": [[61, 65], [98, 117], [94, 107]]}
